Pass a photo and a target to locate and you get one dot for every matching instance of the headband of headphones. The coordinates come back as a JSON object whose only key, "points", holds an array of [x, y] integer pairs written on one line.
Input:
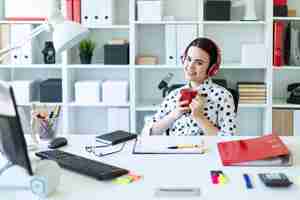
{"points": [[213, 68]]}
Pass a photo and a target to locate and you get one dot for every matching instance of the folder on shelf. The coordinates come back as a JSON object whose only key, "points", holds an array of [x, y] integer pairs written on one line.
{"points": [[5, 40], [69, 6], [170, 44], [278, 43], [267, 150], [185, 34], [76, 10]]}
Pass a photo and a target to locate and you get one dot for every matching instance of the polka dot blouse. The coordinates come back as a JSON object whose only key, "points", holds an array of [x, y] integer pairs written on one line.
{"points": [[218, 108]]}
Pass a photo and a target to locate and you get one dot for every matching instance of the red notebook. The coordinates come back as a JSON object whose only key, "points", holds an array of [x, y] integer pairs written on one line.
{"points": [[260, 148], [278, 44]]}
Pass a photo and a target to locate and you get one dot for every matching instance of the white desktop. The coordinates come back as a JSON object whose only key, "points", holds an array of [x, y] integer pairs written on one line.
{"points": [[169, 171]]}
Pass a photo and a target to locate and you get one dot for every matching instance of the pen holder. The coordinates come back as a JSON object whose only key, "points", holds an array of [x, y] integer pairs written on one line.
{"points": [[47, 130]]}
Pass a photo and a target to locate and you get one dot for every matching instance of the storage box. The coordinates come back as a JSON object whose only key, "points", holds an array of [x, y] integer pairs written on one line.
{"points": [[217, 10], [254, 54], [115, 92], [51, 90], [149, 10], [25, 91], [147, 60], [88, 91], [26, 9], [116, 54]]}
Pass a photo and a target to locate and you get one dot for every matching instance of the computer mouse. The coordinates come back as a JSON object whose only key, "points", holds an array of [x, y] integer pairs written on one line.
{"points": [[58, 142]]}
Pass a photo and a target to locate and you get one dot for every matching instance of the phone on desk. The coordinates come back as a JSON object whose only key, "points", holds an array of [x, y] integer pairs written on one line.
{"points": [[294, 97]]}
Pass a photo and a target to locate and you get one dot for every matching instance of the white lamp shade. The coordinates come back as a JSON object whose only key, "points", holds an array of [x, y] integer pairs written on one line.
{"points": [[68, 34]]}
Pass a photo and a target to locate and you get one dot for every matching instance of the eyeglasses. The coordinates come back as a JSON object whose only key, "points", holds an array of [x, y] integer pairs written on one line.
{"points": [[92, 149], [189, 60]]}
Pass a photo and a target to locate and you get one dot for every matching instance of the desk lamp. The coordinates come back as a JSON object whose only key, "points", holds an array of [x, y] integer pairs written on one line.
{"points": [[65, 33], [250, 13]]}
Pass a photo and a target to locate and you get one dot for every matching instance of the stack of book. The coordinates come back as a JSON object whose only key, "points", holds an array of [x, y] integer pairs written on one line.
{"points": [[252, 92]]}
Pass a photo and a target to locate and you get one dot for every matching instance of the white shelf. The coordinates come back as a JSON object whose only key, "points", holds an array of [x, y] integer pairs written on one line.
{"points": [[22, 22], [223, 66], [235, 22], [166, 22], [147, 106], [254, 105], [111, 27], [286, 18], [275, 68], [240, 66], [97, 66], [158, 66], [41, 104], [281, 103], [100, 104], [32, 66]]}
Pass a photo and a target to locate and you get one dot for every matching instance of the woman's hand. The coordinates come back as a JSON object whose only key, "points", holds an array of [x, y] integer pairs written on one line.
{"points": [[181, 108], [197, 107]]}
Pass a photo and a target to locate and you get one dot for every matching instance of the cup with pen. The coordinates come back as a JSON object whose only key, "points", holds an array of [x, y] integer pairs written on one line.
{"points": [[47, 124]]}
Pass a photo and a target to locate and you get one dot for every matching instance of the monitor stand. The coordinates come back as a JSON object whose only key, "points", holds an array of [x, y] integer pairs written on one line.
{"points": [[44, 182]]}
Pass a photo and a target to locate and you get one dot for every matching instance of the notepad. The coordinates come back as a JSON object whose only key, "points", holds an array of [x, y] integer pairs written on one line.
{"points": [[160, 144], [115, 137]]}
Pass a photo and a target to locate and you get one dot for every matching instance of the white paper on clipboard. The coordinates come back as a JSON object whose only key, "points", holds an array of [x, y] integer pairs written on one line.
{"points": [[160, 144]]}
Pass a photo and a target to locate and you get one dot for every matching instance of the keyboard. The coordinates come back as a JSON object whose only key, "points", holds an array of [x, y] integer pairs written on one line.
{"points": [[95, 169]]}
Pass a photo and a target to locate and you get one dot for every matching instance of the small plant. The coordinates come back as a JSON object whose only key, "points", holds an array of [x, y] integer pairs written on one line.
{"points": [[86, 50], [87, 47]]}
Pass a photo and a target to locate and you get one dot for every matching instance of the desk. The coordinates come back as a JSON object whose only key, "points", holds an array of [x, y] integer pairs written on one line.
{"points": [[171, 170]]}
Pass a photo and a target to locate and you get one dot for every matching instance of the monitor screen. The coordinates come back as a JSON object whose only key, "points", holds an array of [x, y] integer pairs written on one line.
{"points": [[12, 139]]}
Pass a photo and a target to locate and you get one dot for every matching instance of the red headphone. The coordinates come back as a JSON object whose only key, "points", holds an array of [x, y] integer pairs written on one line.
{"points": [[214, 68]]}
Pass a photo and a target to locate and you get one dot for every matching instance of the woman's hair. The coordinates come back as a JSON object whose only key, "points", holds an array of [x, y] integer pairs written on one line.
{"points": [[208, 46]]}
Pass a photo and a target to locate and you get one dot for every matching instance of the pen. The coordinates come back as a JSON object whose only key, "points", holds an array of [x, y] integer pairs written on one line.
{"points": [[183, 146], [248, 181]]}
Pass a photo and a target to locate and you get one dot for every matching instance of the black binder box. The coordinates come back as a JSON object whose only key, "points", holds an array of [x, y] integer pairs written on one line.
{"points": [[280, 11], [51, 90], [217, 10], [116, 54]]}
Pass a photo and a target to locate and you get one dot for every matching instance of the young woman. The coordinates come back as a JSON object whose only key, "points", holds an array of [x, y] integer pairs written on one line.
{"points": [[211, 112]]}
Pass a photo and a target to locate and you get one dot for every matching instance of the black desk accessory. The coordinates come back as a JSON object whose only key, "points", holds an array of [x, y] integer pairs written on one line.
{"points": [[115, 137], [58, 142], [275, 179]]}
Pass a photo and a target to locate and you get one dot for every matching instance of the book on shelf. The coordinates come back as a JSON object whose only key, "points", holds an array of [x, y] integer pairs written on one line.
{"points": [[268, 150], [243, 101], [258, 94], [252, 90], [118, 41], [250, 84], [252, 98]]}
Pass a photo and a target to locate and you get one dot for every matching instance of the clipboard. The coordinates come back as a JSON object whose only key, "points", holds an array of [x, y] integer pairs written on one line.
{"points": [[160, 144]]}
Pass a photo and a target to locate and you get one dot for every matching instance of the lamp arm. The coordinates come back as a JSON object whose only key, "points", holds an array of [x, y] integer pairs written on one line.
{"points": [[35, 32]]}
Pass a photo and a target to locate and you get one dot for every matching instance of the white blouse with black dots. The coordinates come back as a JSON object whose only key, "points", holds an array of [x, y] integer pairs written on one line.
{"points": [[218, 108]]}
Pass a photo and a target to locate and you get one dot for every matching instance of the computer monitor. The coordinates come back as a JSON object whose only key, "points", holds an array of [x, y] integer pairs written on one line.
{"points": [[12, 140]]}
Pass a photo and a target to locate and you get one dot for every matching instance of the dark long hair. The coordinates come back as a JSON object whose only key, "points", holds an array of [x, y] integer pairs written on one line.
{"points": [[208, 46]]}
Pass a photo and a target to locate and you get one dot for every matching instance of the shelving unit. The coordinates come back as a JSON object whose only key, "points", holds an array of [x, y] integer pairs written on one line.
{"points": [[149, 38], [287, 74]]}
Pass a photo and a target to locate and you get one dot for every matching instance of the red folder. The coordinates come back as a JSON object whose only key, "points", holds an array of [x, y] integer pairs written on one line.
{"points": [[69, 9], [239, 151], [280, 2], [76, 11], [278, 43]]}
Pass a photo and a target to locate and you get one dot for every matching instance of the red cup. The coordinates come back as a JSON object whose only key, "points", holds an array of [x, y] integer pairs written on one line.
{"points": [[187, 94]]}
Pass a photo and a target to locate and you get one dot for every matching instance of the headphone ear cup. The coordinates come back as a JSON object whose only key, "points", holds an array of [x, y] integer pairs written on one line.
{"points": [[213, 70]]}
